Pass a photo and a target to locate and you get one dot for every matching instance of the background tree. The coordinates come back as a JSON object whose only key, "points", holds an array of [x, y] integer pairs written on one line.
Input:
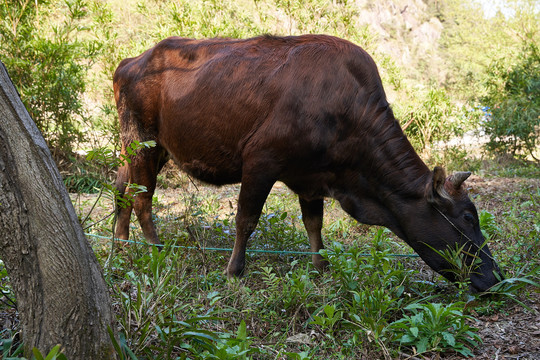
{"points": [[61, 294]]}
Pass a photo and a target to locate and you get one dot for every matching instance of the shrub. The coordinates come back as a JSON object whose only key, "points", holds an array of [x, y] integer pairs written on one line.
{"points": [[432, 118], [513, 97], [47, 63]]}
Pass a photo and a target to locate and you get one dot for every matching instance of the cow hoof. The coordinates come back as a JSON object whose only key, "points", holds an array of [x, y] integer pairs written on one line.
{"points": [[320, 263], [234, 271]]}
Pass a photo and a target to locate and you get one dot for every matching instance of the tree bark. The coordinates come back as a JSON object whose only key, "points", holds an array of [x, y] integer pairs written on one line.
{"points": [[61, 294]]}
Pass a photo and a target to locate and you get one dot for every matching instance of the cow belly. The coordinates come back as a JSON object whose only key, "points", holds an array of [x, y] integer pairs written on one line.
{"points": [[216, 170], [204, 143], [212, 174]]}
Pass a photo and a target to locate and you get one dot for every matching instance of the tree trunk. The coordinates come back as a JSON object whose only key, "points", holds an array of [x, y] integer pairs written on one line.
{"points": [[61, 294]]}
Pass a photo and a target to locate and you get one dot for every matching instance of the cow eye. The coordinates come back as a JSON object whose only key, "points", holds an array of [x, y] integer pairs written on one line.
{"points": [[468, 217]]}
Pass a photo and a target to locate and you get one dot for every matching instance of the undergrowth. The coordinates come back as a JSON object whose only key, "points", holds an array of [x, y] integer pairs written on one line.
{"points": [[178, 304], [376, 300]]}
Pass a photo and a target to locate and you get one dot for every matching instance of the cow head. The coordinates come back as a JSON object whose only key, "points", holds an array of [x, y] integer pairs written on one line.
{"points": [[453, 224]]}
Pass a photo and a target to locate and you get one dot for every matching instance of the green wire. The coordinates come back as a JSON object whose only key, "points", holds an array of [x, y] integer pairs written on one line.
{"points": [[282, 252]]}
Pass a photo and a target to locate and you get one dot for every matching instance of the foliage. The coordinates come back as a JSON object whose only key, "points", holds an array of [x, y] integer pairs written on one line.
{"points": [[466, 45], [108, 162], [7, 354], [488, 224], [494, 61], [463, 262], [177, 303], [513, 97], [510, 287], [10, 348], [47, 60], [54, 354], [436, 327], [432, 119], [470, 40], [367, 301], [107, 159]]}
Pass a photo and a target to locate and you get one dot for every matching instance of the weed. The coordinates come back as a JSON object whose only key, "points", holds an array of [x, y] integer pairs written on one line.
{"points": [[10, 347], [54, 354], [82, 181], [488, 225], [435, 327], [328, 319], [462, 263], [509, 288]]}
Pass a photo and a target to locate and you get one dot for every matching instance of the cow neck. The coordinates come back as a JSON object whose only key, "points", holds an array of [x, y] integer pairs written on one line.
{"points": [[397, 167]]}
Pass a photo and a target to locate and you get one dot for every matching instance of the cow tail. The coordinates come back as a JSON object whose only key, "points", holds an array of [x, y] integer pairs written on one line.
{"points": [[126, 138]]}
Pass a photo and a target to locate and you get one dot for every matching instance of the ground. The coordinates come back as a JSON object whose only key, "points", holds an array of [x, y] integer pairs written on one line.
{"points": [[513, 333]]}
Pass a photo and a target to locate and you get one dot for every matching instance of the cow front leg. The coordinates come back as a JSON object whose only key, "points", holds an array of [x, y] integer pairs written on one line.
{"points": [[312, 216], [253, 194]]}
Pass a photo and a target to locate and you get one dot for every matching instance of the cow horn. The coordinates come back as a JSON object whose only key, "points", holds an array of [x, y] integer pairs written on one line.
{"points": [[458, 178]]}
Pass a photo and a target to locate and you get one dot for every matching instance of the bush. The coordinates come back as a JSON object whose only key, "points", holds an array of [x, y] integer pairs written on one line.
{"points": [[47, 63], [513, 97], [432, 118]]}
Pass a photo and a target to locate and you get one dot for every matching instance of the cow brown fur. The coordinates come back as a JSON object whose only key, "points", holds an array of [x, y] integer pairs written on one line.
{"points": [[309, 111]]}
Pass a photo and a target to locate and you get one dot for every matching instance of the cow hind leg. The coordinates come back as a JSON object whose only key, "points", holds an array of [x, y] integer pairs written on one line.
{"points": [[312, 216], [123, 207], [253, 193]]}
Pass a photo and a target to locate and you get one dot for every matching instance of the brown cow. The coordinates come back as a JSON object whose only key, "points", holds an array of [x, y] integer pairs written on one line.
{"points": [[309, 111]]}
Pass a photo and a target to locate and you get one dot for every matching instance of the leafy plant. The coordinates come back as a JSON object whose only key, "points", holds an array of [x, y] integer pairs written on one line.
{"points": [[434, 119], [328, 318], [509, 287], [365, 267], [436, 327], [108, 161], [304, 355], [488, 224], [9, 347], [234, 347], [54, 354], [463, 262]]}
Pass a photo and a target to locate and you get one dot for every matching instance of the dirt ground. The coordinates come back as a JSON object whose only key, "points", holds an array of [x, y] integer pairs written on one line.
{"points": [[514, 332]]}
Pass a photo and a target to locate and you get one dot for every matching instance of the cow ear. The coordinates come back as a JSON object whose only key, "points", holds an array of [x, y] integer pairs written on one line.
{"points": [[436, 192], [439, 177]]}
